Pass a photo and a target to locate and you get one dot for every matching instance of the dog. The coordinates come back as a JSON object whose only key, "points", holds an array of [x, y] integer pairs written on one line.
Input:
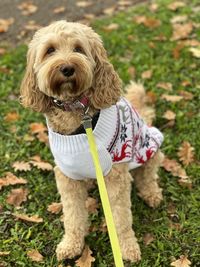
{"points": [[68, 75]]}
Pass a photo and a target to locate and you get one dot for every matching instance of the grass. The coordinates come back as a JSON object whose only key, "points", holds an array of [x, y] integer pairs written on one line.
{"points": [[129, 45]]}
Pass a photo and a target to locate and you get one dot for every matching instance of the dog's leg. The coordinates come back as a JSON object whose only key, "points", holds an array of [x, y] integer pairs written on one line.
{"points": [[146, 180], [118, 183], [73, 195]]}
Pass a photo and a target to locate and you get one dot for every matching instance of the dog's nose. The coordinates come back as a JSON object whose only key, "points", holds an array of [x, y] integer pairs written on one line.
{"points": [[67, 70]]}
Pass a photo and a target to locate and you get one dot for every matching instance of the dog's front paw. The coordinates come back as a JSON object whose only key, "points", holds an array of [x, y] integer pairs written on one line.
{"points": [[69, 248], [154, 199], [131, 251]]}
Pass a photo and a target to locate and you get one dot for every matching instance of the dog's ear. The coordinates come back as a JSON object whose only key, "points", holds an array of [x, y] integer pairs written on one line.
{"points": [[106, 83], [30, 95]]}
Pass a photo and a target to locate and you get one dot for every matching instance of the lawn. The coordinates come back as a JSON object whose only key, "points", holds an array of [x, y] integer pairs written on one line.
{"points": [[145, 44]]}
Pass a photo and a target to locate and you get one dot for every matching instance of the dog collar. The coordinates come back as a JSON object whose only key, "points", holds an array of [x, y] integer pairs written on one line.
{"points": [[81, 104]]}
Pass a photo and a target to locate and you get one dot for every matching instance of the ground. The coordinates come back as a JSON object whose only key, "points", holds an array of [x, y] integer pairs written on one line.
{"points": [[158, 45]]}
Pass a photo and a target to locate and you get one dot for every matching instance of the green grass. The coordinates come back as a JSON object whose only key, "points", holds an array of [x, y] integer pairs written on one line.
{"points": [[19, 237]]}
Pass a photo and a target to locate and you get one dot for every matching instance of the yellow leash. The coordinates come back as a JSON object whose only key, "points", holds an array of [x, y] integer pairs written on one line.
{"points": [[103, 193]]}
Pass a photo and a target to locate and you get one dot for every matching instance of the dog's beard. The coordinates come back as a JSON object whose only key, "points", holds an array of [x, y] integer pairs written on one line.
{"points": [[53, 83]]}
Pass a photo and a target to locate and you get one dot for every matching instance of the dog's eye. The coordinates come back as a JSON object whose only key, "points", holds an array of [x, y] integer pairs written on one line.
{"points": [[50, 50], [79, 49]]}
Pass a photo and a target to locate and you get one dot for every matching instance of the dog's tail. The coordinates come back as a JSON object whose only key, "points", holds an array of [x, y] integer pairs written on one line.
{"points": [[135, 93]]}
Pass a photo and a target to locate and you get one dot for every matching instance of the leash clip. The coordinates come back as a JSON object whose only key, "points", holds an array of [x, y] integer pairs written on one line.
{"points": [[87, 121]]}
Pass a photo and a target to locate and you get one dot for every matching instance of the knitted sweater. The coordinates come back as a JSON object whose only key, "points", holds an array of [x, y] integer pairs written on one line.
{"points": [[121, 136]]}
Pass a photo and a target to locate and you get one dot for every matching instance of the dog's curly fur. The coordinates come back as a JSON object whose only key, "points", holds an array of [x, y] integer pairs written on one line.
{"points": [[73, 44]]}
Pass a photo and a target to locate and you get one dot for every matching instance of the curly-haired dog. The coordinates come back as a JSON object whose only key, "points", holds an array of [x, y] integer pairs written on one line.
{"points": [[67, 73]]}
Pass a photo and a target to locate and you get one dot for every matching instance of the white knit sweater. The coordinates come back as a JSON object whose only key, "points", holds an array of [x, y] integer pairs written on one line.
{"points": [[121, 136]]}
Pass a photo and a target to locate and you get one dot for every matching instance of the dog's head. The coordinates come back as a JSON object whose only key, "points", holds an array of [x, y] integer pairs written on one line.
{"points": [[66, 60]]}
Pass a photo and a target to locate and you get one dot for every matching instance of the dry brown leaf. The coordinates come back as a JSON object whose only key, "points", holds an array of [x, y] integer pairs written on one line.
{"points": [[21, 166], [37, 127], [132, 71], [17, 196], [172, 98], [89, 16], [164, 85], [147, 74], [59, 10], [42, 165], [83, 3], [5, 24], [161, 37], [103, 226], [86, 259], [191, 42], [147, 21], [109, 11], [169, 115], [175, 5], [185, 83], [181, 31], [124, 3], [153, 7], [36, 158], [12, 116], [195, 52], [177, 50], [32, 26], [182, 262], [172, 166], [151, 97], [2, 51], [186, 153], [11, 179], [4, 253], [55, 208], [24, 217], [179, 19], [148, 238], [27, 8], [91, 205], [34, 255], [186, 95], [111, 27], [43, 137]]}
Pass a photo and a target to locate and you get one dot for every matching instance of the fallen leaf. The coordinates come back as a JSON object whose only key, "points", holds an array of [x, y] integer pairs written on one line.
{"points": [[45, 166], [2, 51], [172, 166], [147, 21], [4, 70], [11, 179], [111, 27], [86, 259], [182, 262], [181, 31], [34, 255], [124, 3], [176, 51], [186, 95], [186, 153], [132, 71], [151, 97], [36, 158], [109, 11], [59, 10], [55, 208], [37, 127], [148, 238], [89, 16], [175, 5], [172, 98], [5, 24], [83, 3], [27, 8], [153, 7], [91, 205], [164, 85], [147, 74], [12, 116], [43, 137], [32, 26], [24, 217], [17, 196], [191, 42], [169, 115], [185, 83], [195, 51], [179, 19], [4, 253], [161, 37], [21, 166], [103, 226]]}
